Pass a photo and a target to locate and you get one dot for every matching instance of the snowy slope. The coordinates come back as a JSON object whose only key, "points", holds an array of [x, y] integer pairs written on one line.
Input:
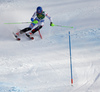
{"points": [[44, 65]]}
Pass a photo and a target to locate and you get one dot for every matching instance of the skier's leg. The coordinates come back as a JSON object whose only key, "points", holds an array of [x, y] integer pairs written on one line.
{"points": [[37, 29], [28, 34], [25, 29], [22, 31], [40, 25]]}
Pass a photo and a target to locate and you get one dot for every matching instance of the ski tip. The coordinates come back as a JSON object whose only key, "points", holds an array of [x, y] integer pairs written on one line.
{"points": [[18, 39], [32, 38]]}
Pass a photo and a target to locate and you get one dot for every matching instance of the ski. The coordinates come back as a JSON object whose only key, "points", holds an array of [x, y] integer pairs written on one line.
{"points": [[29, 36], [16, 37]]}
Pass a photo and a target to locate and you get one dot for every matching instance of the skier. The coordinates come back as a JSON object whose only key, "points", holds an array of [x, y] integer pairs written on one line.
{"points": [[37, 19]]}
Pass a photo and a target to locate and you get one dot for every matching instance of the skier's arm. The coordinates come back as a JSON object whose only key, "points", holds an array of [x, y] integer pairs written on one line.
{"points": [[33, 17], [48, 17], [51, 23]]}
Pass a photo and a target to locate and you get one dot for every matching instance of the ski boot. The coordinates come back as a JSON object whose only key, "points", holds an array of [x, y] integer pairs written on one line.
{"points": [[28, 35]]}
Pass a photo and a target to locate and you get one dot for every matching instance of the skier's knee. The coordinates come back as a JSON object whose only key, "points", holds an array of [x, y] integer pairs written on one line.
{"points": [[36, 29]]}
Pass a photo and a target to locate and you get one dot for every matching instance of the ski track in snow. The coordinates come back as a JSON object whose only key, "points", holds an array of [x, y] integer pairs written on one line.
{"points": [[43, 65]]}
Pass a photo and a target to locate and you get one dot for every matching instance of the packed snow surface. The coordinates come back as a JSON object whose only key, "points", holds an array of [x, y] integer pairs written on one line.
{"points": [[43, 65]]}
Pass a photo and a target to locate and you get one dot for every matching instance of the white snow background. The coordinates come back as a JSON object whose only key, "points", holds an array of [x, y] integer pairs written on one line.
{"points": [[43, 65]]}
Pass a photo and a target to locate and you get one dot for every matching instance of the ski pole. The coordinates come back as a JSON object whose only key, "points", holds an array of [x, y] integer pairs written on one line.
{"points": [[18, 23], [35, 22], [63, 26]]}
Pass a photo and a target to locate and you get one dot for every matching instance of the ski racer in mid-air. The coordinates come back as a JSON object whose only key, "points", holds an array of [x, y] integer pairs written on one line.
{"points": [[37, 19]]}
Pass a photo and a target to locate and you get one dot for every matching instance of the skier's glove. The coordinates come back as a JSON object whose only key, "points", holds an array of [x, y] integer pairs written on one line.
{"points": [[35, 22], [51, 24]]}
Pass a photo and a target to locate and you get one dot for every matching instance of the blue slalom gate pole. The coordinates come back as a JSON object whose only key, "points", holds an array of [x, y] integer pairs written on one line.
{"points": [[70, 58]]}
